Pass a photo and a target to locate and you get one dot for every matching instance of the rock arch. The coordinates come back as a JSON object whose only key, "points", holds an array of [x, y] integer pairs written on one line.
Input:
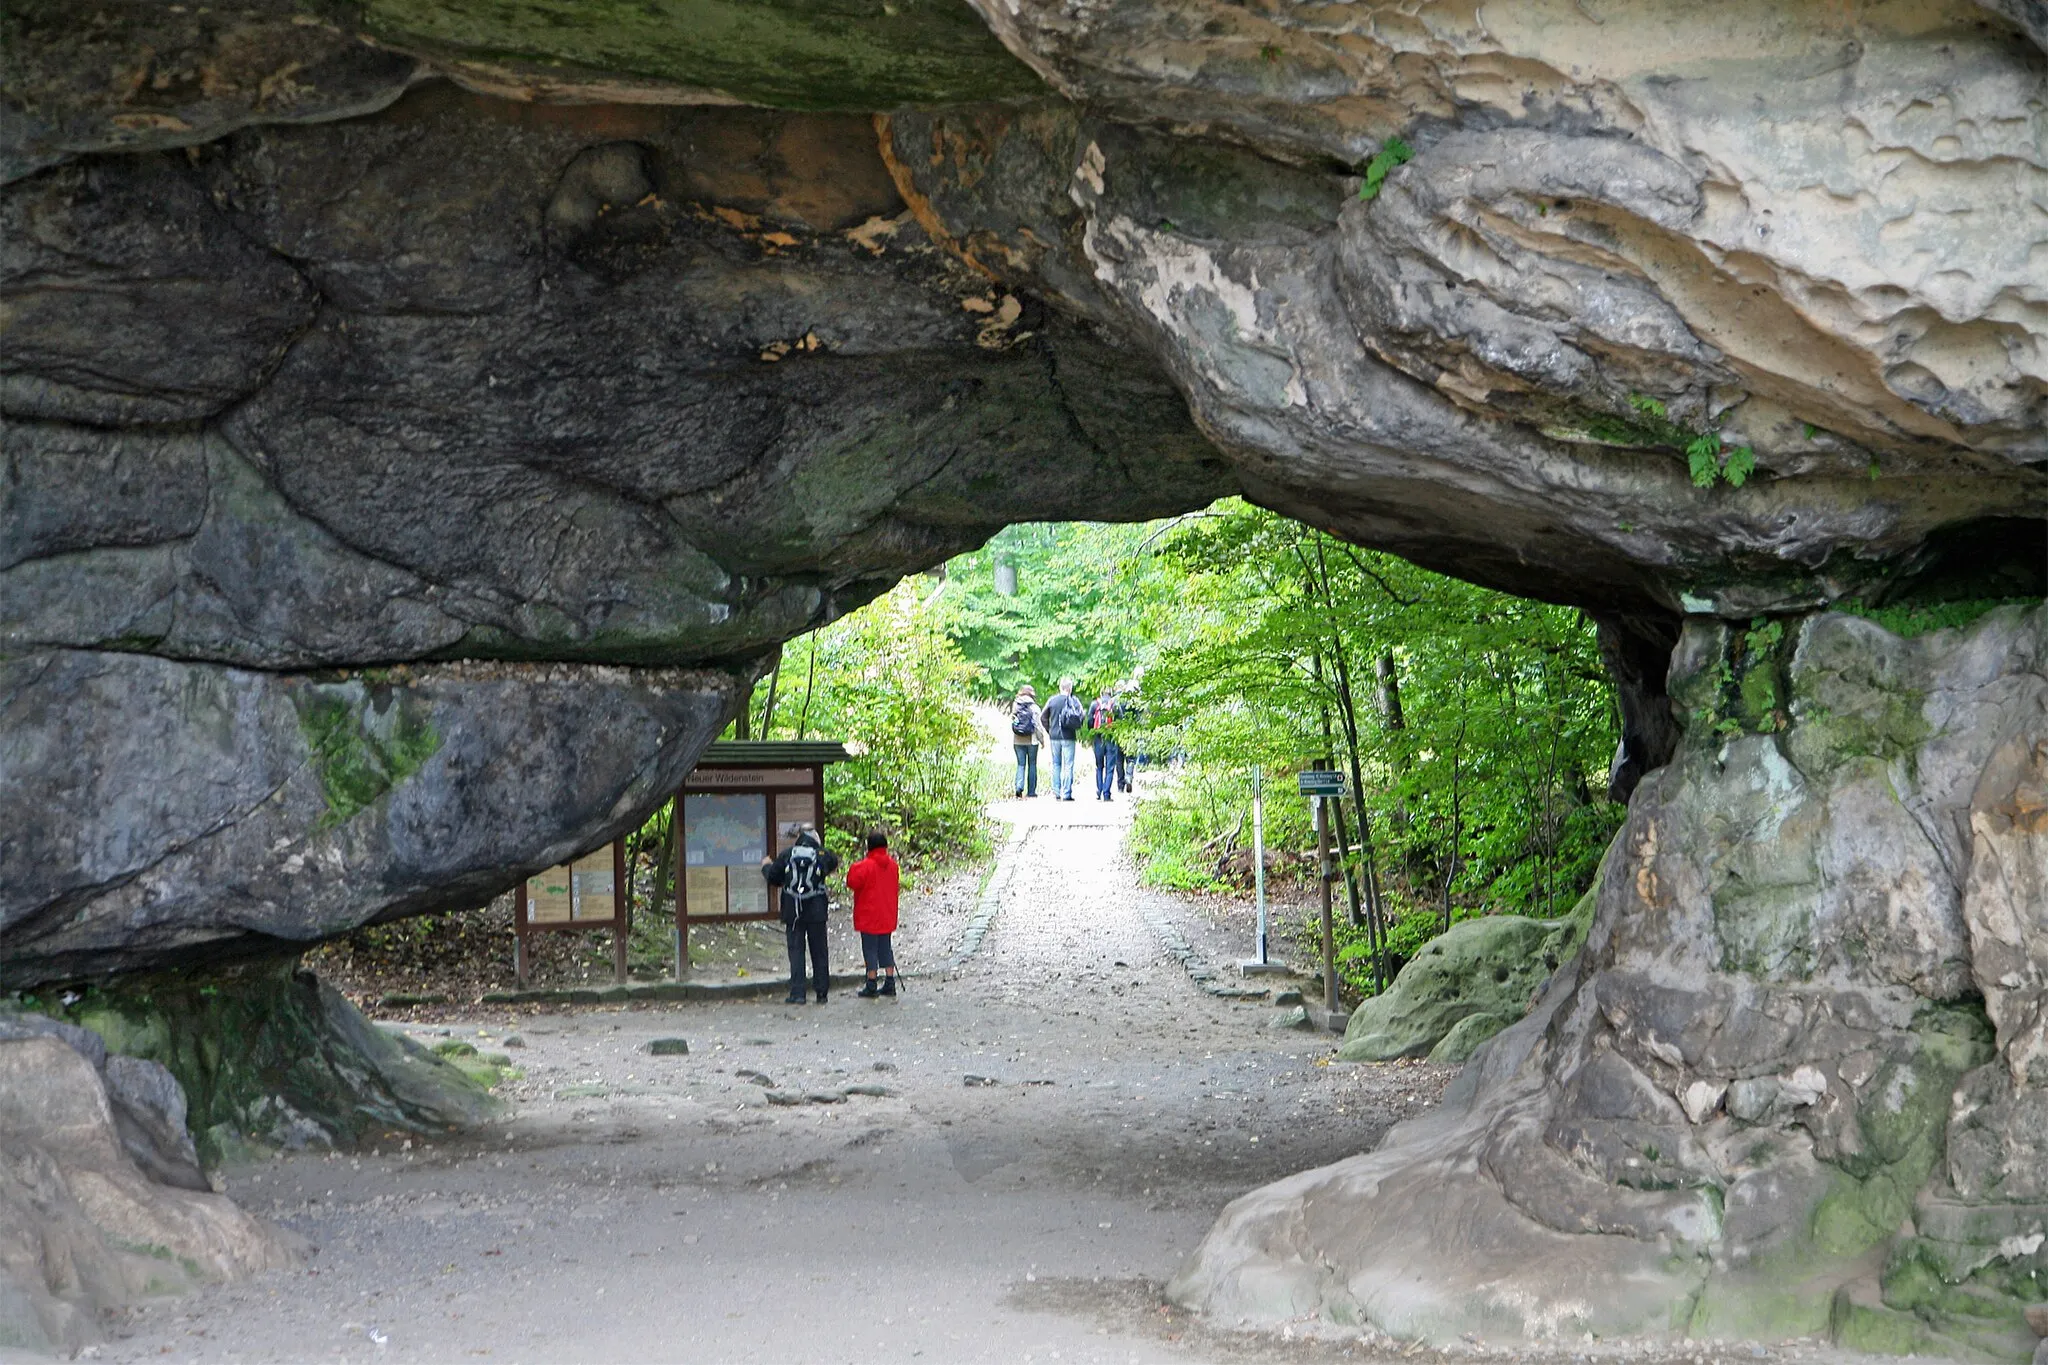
{"points": [[387, 404]]}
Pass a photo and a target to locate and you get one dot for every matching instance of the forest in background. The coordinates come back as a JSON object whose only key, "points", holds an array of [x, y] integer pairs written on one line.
{"points": [[1476, 726]]}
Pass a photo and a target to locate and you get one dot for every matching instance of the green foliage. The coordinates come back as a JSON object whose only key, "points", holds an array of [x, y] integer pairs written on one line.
{"points": [[890, 681], [1484, 722], [1707, 458], [1910, 619], [1393, 152], [1083, 591]]}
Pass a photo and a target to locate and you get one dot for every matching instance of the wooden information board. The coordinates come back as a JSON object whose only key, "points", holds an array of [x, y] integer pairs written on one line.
{"points": [[734, 810], [584, 894]]}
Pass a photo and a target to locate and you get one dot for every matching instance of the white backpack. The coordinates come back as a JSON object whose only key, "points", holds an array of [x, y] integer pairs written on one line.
{"points": [[805, 880]]}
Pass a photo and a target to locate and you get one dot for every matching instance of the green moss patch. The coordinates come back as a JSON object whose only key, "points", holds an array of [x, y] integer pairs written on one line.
{"points": [[1483, 969], [361, 750], [850, 55], [268, 1057], [1909, 620]]}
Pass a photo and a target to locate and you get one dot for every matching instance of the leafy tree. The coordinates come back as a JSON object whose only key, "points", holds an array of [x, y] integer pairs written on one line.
{"points": [[1475, 726], [1080, 596], [889, 681]]}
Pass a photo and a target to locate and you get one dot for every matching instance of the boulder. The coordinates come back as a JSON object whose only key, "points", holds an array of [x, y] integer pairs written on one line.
{"points": [[1485, 970], [193, 812], [82, 1229], [146, 1101], [1787, 1089]]}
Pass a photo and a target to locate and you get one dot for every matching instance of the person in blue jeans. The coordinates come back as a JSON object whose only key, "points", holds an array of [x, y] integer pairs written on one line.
{"points": [[1102, 717], [1025, 728], [1063, 719]]}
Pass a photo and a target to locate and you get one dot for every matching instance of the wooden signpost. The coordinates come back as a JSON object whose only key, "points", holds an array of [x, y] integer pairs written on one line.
{"points": [[589, 893], [1322, 785], [745, 801]]}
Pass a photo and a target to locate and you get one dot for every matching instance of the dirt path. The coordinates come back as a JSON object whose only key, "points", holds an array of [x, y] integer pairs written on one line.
{"points": [[1032, 1144]]}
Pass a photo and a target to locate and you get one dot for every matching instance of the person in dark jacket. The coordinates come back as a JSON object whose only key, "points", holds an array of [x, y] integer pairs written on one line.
{"points": [[875, 883], [799, 872], [1063, 719], [1025, 729], [1102, 719]]}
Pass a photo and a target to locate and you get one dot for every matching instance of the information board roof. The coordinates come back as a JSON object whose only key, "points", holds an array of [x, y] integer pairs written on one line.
{"points": [[772, 753]]}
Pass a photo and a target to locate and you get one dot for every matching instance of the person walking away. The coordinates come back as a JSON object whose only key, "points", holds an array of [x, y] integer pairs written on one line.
{"points": [[1064, 717], [875, 882], [1026, 725], [800, 871], [1102, 718], [1127, 715]]}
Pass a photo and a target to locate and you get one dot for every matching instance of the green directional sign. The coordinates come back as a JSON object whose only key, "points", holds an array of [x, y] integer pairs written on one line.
{"points": [[1322, 782]]}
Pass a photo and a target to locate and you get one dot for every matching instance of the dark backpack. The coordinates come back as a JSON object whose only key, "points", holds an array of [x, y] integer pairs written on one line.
{"points": [[1022, 722]]}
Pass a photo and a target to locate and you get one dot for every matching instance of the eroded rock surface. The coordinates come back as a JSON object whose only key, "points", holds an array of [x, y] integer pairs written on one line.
{"points": [[372, 444], [81, 1227], [467, 381], [1801, 1041]]}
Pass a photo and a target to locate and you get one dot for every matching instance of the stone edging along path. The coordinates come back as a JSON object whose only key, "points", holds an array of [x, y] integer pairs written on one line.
{"points": [[990, 901]]}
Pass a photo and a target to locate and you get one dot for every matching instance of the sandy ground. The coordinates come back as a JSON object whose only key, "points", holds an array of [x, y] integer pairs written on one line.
{"points": [[1030, 1147]]}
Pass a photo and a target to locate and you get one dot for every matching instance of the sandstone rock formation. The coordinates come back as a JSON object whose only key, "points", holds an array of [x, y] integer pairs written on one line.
{"points": [[81, 1227], [424, 419], [467, 383], [262, 1057], [1793, 1086]]}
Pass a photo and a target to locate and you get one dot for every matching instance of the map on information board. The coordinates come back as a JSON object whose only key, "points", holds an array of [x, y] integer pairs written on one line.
{"points": [[724, 831]]}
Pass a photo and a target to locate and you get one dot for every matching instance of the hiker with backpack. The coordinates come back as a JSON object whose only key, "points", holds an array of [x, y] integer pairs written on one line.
{"points": [[1026, 726], [1063, 719], [800, 871], [875, 883], [1102, 719]]}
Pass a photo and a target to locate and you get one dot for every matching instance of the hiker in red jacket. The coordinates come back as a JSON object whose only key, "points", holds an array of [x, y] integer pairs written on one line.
{"points": [[874, 881]]}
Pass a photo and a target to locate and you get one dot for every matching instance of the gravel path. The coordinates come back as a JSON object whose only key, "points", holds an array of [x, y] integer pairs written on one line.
{"points": [[1002, 1165]]}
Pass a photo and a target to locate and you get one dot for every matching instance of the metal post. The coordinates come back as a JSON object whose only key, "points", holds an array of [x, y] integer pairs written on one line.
{"points": [[1263, 964], [1324, 870], [1259, 853]]}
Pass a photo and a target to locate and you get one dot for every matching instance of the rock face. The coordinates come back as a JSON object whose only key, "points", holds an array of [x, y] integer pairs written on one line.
{"points": [[81, 1227], [470, 382], [1803, 1041], [187, 812], [423, 419], [145, 1102], [262, 1056]]}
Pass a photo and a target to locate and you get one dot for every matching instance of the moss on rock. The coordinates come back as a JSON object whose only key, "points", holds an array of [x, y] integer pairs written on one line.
{"points": [[364, 742], [1483, 970], [855, 55], [270, 1057]]}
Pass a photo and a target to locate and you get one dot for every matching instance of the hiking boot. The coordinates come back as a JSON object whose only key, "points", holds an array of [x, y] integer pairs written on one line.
{"points": [[796, 999], [888, 986], [821, 997], [869, 992]]}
